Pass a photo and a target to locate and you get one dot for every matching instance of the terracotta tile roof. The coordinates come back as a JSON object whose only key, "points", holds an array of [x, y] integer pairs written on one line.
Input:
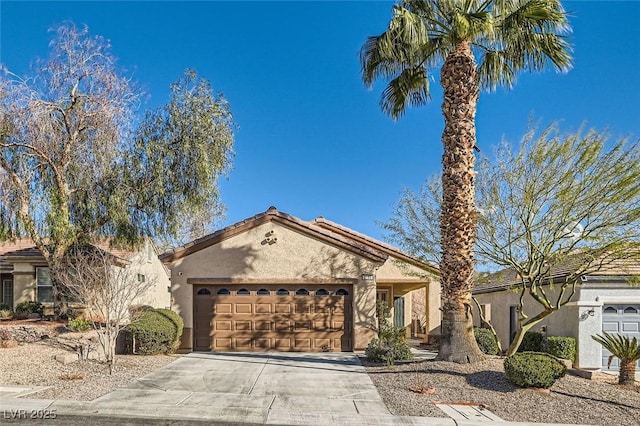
{"points": [[272, 214], [507, 278], [26, 248]]}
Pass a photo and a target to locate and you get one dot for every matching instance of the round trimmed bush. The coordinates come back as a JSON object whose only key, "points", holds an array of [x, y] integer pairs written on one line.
{"points": [[486, 341], [156, 331], [533, 369]]}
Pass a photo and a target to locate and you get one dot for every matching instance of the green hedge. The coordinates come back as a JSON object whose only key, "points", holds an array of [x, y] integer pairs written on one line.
{"points": [[531, 342], [486, 341], [156, 331], [561, 347], [533, 369], [31, 307]]}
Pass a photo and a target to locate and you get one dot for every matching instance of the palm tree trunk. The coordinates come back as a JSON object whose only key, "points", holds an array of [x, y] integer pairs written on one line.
{"points": [[627, 372], [458, 220]]}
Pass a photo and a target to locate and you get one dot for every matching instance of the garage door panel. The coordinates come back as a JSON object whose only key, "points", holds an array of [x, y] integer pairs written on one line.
{"points": [[302, 343], [304, 308], [243, 325], [282, 308], [243, 308], [282, 343], [263, 308], [302, 326], [259, 319], [223, 308], [322, 325], [619, 319], [225, 325], [222, 343], [263, 325]]}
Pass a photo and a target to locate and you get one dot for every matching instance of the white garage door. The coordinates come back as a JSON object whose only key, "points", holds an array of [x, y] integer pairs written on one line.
{"points": [[619, 319]]}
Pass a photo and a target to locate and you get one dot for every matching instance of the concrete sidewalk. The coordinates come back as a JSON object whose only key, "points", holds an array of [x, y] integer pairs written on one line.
{"points": [[237, 388]]}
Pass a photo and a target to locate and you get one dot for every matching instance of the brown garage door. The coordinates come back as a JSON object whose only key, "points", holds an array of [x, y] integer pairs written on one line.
{"points": [[273, 317]]}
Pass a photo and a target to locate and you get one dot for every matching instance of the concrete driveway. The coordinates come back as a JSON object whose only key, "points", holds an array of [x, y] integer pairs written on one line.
{"points": [[259, 388]]}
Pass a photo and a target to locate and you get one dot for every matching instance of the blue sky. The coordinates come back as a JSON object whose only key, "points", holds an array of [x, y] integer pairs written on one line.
{"points": [[311, 139]]}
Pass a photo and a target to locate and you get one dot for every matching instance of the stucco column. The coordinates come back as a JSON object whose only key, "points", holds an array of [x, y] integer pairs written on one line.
{"points": [[589, 352]]}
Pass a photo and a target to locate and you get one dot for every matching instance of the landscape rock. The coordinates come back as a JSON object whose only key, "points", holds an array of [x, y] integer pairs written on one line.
{"points": [[11, 343], [67, 358]]}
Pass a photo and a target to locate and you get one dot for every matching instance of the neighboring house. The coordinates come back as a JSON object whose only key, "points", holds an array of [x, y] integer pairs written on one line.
{"points": [[604, 301], [274, 281], [25, 276]]}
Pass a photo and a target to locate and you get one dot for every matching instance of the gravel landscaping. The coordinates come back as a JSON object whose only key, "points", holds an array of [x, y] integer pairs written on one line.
{"points": [[34, 364], [571, 400]]}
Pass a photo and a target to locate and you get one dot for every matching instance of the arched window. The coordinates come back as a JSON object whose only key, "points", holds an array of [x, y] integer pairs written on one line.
{"points": [[242, 292], [610, 310], [630, 310], [223, 291], [204, 292], [322, 292], [302, 292], [282, 292], [263, 291], [342, 292]]}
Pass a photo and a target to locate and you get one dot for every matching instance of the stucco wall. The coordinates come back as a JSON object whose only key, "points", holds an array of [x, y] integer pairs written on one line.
{"points": [[294, 256], [147, 263], [574, 319], [395, 271]]}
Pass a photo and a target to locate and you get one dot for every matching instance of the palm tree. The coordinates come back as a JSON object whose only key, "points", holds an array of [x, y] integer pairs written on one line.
{"points": [[626, 349], [506, 36]]}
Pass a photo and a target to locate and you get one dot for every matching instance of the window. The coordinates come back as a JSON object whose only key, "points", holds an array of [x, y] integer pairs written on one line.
{"points": [[302, 292], [322, 292], [263, 291], [282, 292], [382, 295], [7, 292], [630, 310], [486, 311], [44, 289], [223, 291], [141, 278], [610, 310], [342, 292], [204, 292], [242, 292]]}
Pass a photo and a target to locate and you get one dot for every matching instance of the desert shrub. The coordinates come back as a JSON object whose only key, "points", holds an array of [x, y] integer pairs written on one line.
{"points": [[531, 342], [78, 324], [391, 344], [5, 314], [561, 347], [533, 369], [5, 307], [156, 331], [486, 341], [31, 307]]}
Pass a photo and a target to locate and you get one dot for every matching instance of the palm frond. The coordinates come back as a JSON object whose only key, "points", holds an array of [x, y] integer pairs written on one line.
{"points": [[410, 88], [623, 347]]}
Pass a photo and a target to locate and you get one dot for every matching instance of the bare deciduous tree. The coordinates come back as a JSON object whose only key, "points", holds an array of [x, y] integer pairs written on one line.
{"points": [[107, 287]]}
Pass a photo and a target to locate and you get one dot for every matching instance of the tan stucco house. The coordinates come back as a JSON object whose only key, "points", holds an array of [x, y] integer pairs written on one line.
{"points": [[605, 300], [24, 274], [276, 282]]}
